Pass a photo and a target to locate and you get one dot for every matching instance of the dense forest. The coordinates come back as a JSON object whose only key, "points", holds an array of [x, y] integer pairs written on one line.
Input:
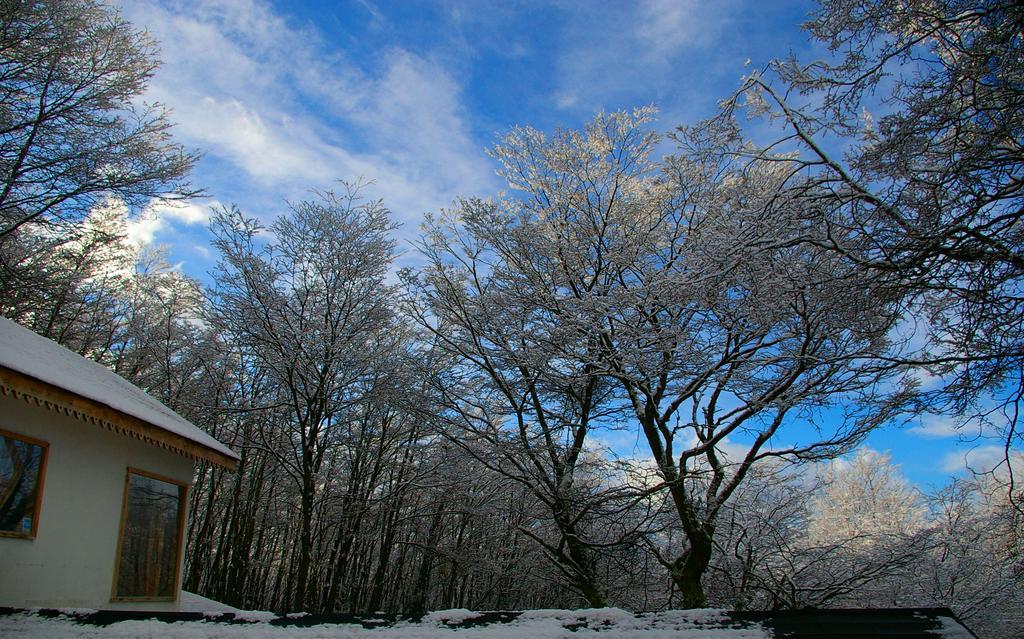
{"points": [[743, 311]]}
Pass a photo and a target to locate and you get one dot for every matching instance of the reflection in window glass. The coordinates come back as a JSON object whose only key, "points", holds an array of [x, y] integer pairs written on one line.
{"points": [[148, 561], [21, 465]]}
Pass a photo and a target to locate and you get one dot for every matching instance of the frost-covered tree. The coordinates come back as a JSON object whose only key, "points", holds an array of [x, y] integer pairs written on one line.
{"points": [[731, 327], [974, 567], [306, 301], [665, 286], [863, 497], [72, 133], [907, 145], [505, 296], [73, 288], [866, 530], [856, 534]]}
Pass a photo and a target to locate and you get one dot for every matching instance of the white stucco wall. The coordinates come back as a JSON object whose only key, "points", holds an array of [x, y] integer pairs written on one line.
{"points": [[70, 563]]}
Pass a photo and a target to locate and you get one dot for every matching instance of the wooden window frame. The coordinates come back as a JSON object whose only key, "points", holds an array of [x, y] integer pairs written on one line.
{"points": [[182, 505], [37, 508]]}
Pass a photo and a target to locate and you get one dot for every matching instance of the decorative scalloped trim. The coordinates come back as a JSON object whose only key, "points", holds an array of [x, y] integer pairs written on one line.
{"points": [[31, 399]]}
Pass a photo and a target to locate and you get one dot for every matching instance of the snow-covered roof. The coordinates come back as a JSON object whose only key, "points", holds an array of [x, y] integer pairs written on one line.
{"points": [[39, 358]]}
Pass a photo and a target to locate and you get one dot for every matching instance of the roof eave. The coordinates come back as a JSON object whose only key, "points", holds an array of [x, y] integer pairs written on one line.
{"points": [[61, 400]]}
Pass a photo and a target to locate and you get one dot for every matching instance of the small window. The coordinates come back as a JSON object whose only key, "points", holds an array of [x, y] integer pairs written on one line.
{"points": [[22, 467], [149, 551]]}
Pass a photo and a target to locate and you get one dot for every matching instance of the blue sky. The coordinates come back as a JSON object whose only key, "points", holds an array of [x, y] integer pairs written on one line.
{"points": [[285, 97]]}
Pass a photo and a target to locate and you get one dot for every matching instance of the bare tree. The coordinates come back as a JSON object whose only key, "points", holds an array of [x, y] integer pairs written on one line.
{"points": [[74, 288], [71, 131], [759, 530], [730, 328], [975, 565], [502, 296], [309, 305], [697, 315], [907, 145]]}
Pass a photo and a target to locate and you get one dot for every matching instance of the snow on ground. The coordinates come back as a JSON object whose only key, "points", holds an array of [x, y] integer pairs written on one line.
{"points": [[191, 602], [952, 630], [606, 623]]}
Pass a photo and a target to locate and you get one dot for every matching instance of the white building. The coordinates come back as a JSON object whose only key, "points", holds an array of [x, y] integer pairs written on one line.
{"points": [[94, 481]]}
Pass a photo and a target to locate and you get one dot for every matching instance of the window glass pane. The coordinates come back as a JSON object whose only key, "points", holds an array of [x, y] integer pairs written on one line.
{"points": [[149, 542], [20, 473]]}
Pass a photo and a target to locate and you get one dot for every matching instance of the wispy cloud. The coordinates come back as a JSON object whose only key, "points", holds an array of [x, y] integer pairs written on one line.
{"points": [[372, 9], [938, 427], [277, 112], [654, 46], [980, 459], [665, 27]]}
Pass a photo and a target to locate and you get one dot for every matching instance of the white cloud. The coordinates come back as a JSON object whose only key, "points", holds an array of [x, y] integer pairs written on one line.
{"points": [[278, 113], [185, 212], [142, 229], [160, 215], [270, 147], [666, 26], [735, 452], [378, 17], [946, 426], [980, 459], [938, 427], [565, 99]]}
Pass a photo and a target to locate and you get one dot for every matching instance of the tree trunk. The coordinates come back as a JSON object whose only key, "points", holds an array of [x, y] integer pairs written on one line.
{"points": [[373, 605], [583, 567], [688, 571], [305, 545], [418, 603]]}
